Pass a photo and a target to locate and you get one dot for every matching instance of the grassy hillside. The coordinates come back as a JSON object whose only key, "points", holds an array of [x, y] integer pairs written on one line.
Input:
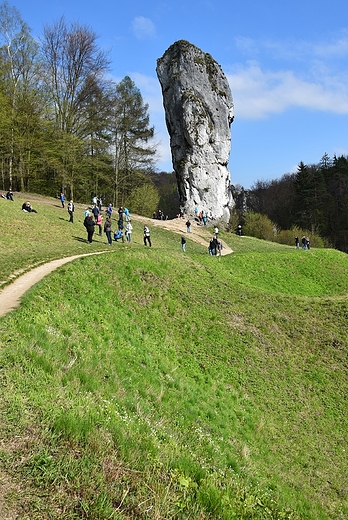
{"points": [[152, 384]]}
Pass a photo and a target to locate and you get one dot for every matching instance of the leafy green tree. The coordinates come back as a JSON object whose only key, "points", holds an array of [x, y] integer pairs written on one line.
{"points": [[144, 200], [259, 226]]}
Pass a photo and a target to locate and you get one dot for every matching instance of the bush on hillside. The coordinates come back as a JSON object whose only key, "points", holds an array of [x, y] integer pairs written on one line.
{"points": [[144, 200], [287, 236], [259, 226]]}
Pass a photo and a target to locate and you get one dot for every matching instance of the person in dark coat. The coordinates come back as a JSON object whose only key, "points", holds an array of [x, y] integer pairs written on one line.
{"points": [[95, 211], [26, 206], [89, 225], [107, 230]]}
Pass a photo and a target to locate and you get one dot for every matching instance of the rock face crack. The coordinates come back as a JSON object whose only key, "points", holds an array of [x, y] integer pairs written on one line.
{"points": [[198, 108]]}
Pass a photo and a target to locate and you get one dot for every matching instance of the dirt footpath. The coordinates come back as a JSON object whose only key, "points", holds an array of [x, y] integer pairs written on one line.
{"points": [[11, 295], [177, 225]]}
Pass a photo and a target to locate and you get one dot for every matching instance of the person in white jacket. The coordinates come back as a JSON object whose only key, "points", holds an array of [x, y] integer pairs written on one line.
{"points": [[129, 229]]}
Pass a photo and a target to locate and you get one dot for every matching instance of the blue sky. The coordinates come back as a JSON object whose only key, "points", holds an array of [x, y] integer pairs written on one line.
{"points": [[286, 62]]}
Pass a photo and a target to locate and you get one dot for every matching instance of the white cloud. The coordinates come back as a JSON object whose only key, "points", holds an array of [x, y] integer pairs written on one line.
{"points": [[259, 93], [143, 28], [296, 50], [150, 90]]}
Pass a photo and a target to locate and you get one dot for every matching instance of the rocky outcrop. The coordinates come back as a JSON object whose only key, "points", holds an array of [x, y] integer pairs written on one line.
{"points": [[199, 111]]}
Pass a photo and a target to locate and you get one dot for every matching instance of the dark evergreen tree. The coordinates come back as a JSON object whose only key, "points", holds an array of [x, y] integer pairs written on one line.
{"points": [[132, 138]]}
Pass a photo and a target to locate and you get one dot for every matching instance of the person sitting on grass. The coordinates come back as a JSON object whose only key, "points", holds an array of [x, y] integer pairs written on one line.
{"points": [[26, 206]]}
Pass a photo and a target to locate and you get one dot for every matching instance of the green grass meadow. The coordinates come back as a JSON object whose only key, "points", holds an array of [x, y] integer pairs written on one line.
{"points": [[146, 383]]}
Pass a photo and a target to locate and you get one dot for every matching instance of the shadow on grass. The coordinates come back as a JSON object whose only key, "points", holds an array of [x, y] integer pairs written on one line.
{"points": [[79, 239]]}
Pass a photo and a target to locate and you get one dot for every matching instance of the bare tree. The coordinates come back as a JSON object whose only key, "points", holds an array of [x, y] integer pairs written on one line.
{"points": [[73, 61]]}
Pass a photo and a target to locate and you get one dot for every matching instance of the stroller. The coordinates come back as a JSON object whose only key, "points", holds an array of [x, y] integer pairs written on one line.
{"points": [[118, 235]]}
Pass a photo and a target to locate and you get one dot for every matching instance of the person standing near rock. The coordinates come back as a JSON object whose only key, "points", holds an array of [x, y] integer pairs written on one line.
{"points": [[188, 226], [147, 237], [89, 225], [71, 209]]}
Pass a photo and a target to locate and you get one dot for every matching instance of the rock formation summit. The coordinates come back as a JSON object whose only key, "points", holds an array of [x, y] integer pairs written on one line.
{"points": [[198, 108]]}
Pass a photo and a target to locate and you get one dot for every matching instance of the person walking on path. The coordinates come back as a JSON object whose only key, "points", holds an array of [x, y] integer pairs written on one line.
{"points": [[129, 229], [147, 237], [107, 230], [71, 209], [183, 243], [62, 199], [188, 226], [216, 232], [212, 246], [89, 225]]}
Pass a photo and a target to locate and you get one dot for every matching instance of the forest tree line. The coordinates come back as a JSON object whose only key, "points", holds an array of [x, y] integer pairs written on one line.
{"points": [[314, 199], [64, 124]]}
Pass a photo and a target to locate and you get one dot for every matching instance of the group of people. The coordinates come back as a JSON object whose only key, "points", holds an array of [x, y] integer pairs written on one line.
{"points": [[8, 195], [215, 245], [94, 218], [203, 216], [159, 215], [304, 241]]}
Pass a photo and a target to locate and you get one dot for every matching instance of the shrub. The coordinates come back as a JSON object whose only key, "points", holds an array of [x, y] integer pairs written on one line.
{"points": [[288, 237], [259, 226], [144, 200]]}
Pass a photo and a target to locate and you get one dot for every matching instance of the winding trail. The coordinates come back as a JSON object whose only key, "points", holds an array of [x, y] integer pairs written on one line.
{"points": [[11, 295]]}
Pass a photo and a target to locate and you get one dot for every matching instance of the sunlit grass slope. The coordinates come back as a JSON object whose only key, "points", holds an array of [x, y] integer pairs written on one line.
{"points": [[152, 384]]}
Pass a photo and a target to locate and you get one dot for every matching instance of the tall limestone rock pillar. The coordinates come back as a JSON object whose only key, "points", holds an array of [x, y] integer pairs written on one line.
{"points": [[199, 111]]}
